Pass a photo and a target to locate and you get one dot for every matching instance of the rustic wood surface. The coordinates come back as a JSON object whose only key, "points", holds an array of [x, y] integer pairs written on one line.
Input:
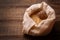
{"points": [[11, 16]]}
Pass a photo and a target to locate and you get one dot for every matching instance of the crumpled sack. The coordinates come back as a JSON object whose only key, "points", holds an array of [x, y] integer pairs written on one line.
{"points": [[44, 26]]}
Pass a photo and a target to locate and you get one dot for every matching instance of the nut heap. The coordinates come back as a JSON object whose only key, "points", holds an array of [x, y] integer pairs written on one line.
{"points": [[39, 16]]}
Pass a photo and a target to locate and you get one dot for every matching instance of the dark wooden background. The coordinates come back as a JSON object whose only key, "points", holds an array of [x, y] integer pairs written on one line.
{"points": [[12, 11]]}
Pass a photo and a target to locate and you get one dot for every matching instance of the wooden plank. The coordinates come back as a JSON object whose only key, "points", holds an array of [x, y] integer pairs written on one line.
{"points": [[15, 14], [15, 28], [11, 13], [57, 26], [57, 11], [4, 3], [53, 3], [11, 28]]}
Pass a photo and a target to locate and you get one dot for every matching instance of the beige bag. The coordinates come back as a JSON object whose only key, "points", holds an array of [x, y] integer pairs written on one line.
{"points": [[38, 19]]}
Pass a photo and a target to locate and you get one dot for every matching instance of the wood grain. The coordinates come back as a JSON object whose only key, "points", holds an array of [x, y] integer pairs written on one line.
{"points": [[11, 15], [11, 21], [5, 3]]}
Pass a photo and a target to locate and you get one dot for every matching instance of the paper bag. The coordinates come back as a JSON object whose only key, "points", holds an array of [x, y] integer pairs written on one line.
{"points": [[38, 19]]}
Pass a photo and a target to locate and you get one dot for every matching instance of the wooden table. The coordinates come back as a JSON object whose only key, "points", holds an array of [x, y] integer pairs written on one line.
{"points": [[11, 14]]}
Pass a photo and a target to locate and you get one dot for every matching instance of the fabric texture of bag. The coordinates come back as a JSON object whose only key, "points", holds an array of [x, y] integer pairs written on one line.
{"points": [[35, 26]]}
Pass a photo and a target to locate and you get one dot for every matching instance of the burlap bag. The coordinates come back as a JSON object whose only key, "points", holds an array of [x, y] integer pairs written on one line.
{"points": [[38, 26]]}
